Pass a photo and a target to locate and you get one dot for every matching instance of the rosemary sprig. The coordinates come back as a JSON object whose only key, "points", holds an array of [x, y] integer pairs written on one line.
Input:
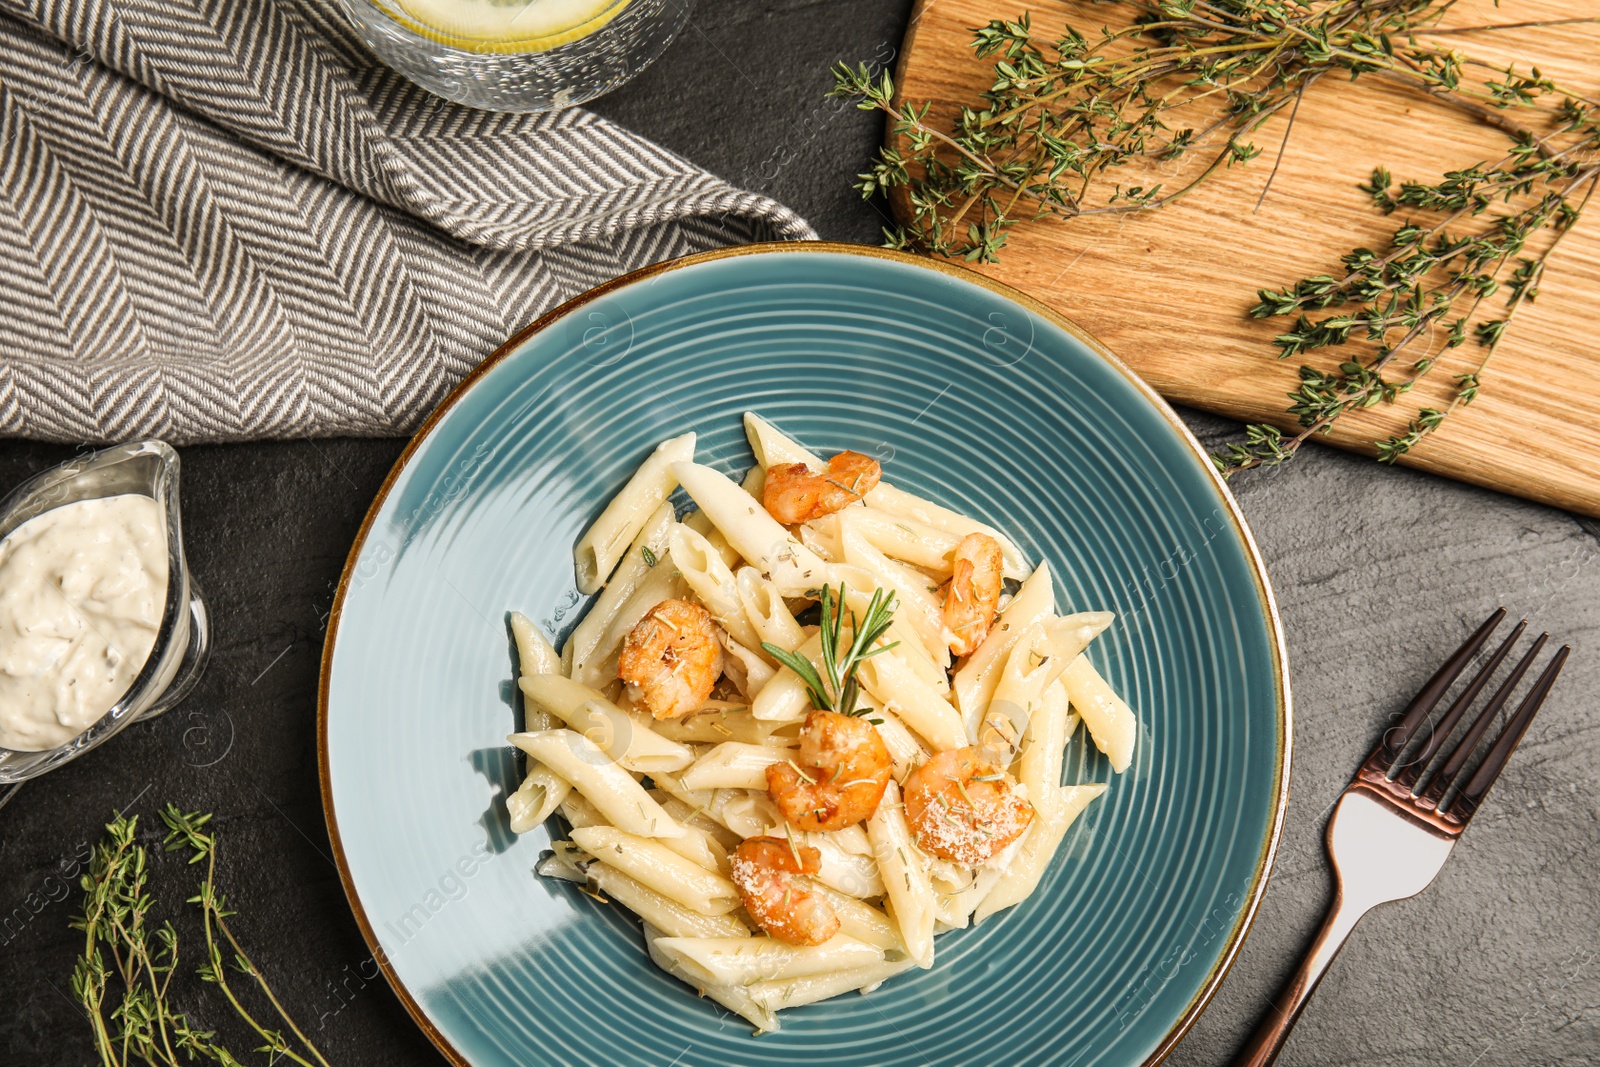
{"points": [[141, 1025], [836, 687]]}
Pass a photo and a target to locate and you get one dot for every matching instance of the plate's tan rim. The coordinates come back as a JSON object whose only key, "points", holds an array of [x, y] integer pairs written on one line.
{"points": [[1280, 658]]}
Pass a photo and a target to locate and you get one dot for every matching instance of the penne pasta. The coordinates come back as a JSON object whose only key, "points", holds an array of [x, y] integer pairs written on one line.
{"points": [[604, 543], [697, 800], [1039, 844], [859, 587], [1039, 762], [611, 790], [1109, 720], [784, 698], [650, 543], [748, 670], [917, 705], [754, 483], [948, 876], [771, 446], [901, 539], [852, 839], [908, 650], [579, 812], [653, 864], [1019, 693], [700, 523], [959, 906], [975, 679], [733, 765], [565, 861], [741, 961], [735, 998], [921, 610], [758, 536], [887, 498], [535, 654], [700, 848], [537, 798], [821, 536], [742, 813], [626, 739], [955, 893], [851, 874], [662, 912], [905, 751], [542, 790], [718, 721], [712, 582], [905, 879], [766, 611], [861, 921], [1071, 634], [696, 818], [1051, 645], [746, 813], [793, 992]]}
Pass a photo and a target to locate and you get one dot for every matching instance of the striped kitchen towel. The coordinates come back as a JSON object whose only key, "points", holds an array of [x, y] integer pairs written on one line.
{"points": [[224, 219]]}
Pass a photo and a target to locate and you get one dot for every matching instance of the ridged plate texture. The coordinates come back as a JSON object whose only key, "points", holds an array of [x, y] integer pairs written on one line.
{"points": [[980, 401]]}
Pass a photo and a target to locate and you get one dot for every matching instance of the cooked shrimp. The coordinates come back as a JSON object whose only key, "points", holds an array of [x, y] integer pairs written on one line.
{"points": [[671, 659], [843, 769], [769, 872], [974, 592], [963, 808], [794, 493]]}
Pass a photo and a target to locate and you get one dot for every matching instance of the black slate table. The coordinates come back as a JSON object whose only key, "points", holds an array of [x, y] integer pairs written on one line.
{"points": [[1378, 573]]}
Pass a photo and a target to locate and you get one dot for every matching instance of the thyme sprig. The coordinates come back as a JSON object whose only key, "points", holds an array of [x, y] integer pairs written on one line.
{"points": [[1191, 80], [123, 949], [1432, 287], [836, 687], [1063, 114]]}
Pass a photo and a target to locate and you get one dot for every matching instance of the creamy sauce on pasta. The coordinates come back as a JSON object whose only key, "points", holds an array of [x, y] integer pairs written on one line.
{"points": [[82, 589]]}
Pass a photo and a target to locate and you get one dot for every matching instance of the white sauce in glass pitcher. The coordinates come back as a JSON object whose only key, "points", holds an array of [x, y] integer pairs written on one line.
{"points": [[82, 591]]}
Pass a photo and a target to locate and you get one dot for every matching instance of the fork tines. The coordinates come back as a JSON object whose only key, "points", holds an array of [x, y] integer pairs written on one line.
{"points": [[1435, 794]]}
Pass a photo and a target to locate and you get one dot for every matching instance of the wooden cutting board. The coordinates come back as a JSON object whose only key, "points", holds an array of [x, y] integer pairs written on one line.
{"points": [[1168, 291]]}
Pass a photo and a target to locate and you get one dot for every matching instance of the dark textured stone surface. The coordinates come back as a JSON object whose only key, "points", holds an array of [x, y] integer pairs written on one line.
{"points": [[1378, 572]]}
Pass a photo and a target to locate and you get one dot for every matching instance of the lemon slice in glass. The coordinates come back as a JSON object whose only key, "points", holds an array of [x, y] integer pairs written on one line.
{"points": [[509, 25]]}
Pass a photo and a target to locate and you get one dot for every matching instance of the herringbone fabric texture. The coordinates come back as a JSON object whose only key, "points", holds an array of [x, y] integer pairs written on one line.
{"points": [[223, 219]]}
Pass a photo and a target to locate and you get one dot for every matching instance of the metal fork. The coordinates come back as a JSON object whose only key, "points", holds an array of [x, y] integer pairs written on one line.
{"points": [[1396, 822]]}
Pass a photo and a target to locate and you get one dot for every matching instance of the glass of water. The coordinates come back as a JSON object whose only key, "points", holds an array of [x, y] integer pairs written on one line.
{"points": [[518, 55]]}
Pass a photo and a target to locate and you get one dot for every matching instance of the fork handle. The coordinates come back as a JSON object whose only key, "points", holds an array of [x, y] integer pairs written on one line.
{"points": [[1273, 1030]]}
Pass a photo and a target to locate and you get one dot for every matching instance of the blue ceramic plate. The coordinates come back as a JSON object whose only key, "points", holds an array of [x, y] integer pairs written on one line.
{"points": [[970, 394]]}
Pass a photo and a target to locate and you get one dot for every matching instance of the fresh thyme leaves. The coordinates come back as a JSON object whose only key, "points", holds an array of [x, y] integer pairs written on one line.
{"points": [[1431, 288], [836, 688], [1063, 113], [649, 556], [136, 1022], [1184, 86]]}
